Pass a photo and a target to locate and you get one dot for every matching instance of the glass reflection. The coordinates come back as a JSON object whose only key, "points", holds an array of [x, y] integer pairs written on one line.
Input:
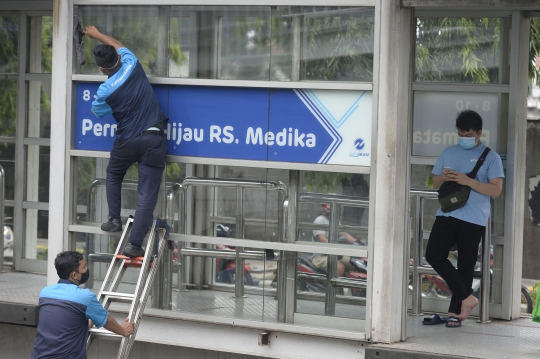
{"points": [[38, 123], [458, 50], [8, 108], [9, 40], [136, 27], [7, 161]]}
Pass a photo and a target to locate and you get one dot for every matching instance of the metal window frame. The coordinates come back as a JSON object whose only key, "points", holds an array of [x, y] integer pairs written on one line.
{"points": [[355, 3], [512, 250], [23, 76]]}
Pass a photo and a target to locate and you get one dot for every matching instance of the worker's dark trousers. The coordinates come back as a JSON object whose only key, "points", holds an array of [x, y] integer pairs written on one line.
{"points": [[446, 232], [150, 152]]}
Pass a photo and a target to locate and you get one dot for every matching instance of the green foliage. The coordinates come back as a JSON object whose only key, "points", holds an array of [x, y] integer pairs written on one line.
{"points": [[9, 42], [457, 50], [325, 182], [429, 177], [338, 48], [534, 50], [534, 293]]}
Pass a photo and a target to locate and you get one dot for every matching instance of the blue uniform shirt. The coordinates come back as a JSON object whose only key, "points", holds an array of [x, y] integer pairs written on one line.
{"points": [[478, 207], [64, 310], [129, 97]]}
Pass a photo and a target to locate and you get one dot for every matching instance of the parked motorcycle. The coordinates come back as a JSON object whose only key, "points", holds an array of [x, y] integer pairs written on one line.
{"points": [[8, 244], [226, 268], [305, 265]]}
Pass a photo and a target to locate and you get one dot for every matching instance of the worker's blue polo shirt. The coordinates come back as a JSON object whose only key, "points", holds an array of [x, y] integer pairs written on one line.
{"points": [[64, 310], [129, 97]]}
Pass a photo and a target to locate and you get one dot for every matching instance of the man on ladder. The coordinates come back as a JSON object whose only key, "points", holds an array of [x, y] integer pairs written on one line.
{"points": [[129, 97]]}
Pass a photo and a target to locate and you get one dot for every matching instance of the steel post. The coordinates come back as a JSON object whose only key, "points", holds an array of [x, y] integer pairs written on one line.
{"points": [[239, 270], [486, 275], [331, 267], [2, 199], [417, 258]]}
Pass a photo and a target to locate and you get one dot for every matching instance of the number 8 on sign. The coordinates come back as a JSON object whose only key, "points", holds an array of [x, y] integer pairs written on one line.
{"points": [[86, 95]]}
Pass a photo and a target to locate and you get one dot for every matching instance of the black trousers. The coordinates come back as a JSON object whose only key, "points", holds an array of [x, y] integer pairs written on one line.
{"points": [[149, 151], [446, 232]]}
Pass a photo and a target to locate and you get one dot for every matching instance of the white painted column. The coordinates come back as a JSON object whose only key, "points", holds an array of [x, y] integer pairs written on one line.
{"points": [[515, 166], [389, 192], [60, 132]]}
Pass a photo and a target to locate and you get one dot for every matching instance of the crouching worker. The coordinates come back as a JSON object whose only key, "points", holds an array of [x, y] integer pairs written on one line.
{"points": [[463, 226], [140, 138], [66, 312]]}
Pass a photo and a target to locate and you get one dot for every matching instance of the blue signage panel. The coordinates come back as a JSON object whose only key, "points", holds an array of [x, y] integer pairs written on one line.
{"points": [[98, 134], [295, 134], [216, 122], [309, 126]]}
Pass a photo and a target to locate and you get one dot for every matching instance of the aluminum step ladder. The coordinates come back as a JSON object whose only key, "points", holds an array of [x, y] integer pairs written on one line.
{"points": [[148, 267]]}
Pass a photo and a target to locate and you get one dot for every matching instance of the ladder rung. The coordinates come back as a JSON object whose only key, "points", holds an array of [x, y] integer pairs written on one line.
{"points": [[104, 333], [120, 297]]}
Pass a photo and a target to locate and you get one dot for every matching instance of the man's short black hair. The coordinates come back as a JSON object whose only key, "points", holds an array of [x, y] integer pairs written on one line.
{"points": [[67, 262], [469, 120], [105, 56]]}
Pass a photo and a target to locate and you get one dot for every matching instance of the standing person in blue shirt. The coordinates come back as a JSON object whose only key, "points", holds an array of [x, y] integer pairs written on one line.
{"points": [[128, 96], [65, 312], [464, 226]]}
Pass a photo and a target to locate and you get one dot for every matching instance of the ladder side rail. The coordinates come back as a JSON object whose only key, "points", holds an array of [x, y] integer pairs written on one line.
{"points": [[112, 266], [143, 274], [127, 343]]}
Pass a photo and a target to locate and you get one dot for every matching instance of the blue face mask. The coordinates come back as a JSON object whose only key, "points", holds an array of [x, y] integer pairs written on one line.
{"points": [[467, 142]]}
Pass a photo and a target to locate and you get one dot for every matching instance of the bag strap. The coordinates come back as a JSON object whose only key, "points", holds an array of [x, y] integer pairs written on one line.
{"points": [[479, 163]]}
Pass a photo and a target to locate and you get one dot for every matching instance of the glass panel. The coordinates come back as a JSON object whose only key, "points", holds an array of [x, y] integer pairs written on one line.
{"points": [[7, 161], [250, 43], [36, 236], [8, 108], [434, 120], [244, 52], [39, 109], [9, 43], [37, 173], [353, 220], [9, 240], [136, 27], [180, 46], [338, 44], [40, 59], [458, 50], [91, 196], [350, 299]]}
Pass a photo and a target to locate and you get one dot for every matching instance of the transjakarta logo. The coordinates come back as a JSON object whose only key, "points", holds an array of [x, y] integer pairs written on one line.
{"points": [[359, 144]]}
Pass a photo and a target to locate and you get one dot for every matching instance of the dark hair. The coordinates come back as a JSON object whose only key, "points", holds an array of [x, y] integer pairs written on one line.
{"points": [[469, 120], [105, 56], [67, 262]]}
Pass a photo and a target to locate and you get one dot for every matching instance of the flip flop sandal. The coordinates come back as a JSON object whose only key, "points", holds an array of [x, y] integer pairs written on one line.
{"points": [[453, 322], [434, 319]]}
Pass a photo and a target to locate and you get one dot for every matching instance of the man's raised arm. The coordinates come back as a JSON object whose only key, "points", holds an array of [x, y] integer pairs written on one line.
{"points": [[93, 32]]}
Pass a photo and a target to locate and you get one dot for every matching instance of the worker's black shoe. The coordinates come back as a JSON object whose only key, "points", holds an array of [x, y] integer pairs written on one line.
{"points": [[133, 250], [113, 225]]}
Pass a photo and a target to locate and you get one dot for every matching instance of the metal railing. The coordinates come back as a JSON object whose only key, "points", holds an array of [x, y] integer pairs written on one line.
{"points": [[419, 269], [2, 198], [239, 253], [332, 280]]}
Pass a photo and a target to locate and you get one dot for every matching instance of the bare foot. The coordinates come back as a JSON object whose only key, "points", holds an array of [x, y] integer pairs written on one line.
{"points": [[467, 305]]}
